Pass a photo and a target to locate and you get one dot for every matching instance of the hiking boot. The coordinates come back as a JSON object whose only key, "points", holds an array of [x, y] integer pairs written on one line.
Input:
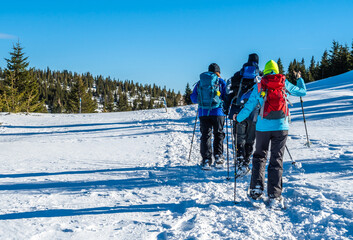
{"points": [[206, 164], [218, 160], [240, 161], [256, 193], [240, 155], [240, 158], [276, 202], [242, 171]]}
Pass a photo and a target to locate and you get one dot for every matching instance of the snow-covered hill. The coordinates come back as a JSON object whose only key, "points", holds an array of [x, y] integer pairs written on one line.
{"points": [[126, 176]]}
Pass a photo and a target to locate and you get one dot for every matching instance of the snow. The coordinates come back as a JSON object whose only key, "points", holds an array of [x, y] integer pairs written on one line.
{"points": [[126, 176]]}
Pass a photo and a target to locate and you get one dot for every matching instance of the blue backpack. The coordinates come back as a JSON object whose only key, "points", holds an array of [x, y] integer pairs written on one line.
{"points": [[249, 77], [207, 89], [250, 72]]}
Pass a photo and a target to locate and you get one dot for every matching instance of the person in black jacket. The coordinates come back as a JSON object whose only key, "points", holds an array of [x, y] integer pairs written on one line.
{"points": [[238, 91]]}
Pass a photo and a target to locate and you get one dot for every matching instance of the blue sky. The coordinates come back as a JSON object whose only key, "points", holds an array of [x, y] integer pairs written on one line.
{"points": [[170, 42]]}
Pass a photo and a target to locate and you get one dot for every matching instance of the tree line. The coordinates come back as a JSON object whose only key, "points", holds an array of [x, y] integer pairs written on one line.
{"points": [[337, 60], [34, 90]]}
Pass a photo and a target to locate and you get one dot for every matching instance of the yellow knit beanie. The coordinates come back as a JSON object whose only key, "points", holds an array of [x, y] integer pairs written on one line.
{"points": [[271, 66]]}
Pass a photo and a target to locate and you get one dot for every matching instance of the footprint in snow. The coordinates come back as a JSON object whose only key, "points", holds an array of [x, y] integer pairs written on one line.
{"points": [[188, 225]]}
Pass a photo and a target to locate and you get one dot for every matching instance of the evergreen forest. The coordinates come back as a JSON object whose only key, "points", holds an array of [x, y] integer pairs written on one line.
{"points": [[24, 89]]}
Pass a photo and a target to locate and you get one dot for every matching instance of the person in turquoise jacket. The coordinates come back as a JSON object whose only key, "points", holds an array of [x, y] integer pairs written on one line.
{"points": [[273, 128]]}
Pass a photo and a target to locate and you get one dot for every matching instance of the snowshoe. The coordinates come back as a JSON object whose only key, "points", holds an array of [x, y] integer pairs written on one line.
{"points": [[206, 164], [240, 159], [277, 203], [255, 197], [242, 171], [218, 162]]}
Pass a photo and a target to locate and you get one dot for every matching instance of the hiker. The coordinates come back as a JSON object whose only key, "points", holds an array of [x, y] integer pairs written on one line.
{"points": [[272, 126], [209, 93], [238, 91]]}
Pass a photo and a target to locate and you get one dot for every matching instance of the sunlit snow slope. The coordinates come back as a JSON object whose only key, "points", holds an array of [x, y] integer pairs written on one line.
{"points": [[126, 176]]}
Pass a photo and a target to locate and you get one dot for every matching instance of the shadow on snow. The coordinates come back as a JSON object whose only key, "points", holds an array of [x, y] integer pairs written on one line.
{"points": [[173, 207], [140, 123], [167, 176], [323, 108], [134, 125]]}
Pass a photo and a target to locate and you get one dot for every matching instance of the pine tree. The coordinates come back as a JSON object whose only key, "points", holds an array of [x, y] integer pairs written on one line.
{"points": [[135, 104], [12, 99], [280, 66], [79, 93], [18, 65], [187, 94], [151, 104], [123, 104], [109, 102], [312, 71], [177, 99], [290, 73], [20, 87], [31, 89], [143, 104], [301, 67], [58, 100], [324, 66], [334, 59], [343, 59]]}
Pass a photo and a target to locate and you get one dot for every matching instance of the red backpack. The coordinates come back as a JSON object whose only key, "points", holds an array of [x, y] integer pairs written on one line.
{"points": [[275, 98]]}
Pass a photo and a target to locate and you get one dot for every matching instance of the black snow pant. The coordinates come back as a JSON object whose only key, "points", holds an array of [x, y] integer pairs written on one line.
{"points": [[207, 123], [245, 139], [275, 168]]}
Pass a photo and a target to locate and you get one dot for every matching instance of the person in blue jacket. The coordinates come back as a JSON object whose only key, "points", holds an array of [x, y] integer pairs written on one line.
{"points": [[273, 128], [211, 115]]}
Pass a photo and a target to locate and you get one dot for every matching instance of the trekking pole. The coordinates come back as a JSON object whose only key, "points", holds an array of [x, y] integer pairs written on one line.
{"points": [[306, 130], [228, 178], [235, 161], [232, 140], [293, 161], [193, 134]]}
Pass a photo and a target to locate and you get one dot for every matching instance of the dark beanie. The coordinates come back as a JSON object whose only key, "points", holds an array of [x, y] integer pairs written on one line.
{"points": [[253, 58], [214, 68]]}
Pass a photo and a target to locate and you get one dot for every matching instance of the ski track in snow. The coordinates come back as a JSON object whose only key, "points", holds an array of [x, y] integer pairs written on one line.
{"points": [[127, 176]]}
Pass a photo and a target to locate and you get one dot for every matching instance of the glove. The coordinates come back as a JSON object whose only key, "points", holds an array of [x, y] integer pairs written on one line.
{"points": [[297, 74], [225, 111]]}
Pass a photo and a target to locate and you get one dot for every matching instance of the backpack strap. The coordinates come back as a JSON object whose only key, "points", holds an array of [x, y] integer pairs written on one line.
{"points": [[287, 102], [259, 87], [263, 106]]}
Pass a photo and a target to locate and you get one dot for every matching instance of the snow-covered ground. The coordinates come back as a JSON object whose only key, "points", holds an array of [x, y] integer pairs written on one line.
{"points": [[126, 176]]}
